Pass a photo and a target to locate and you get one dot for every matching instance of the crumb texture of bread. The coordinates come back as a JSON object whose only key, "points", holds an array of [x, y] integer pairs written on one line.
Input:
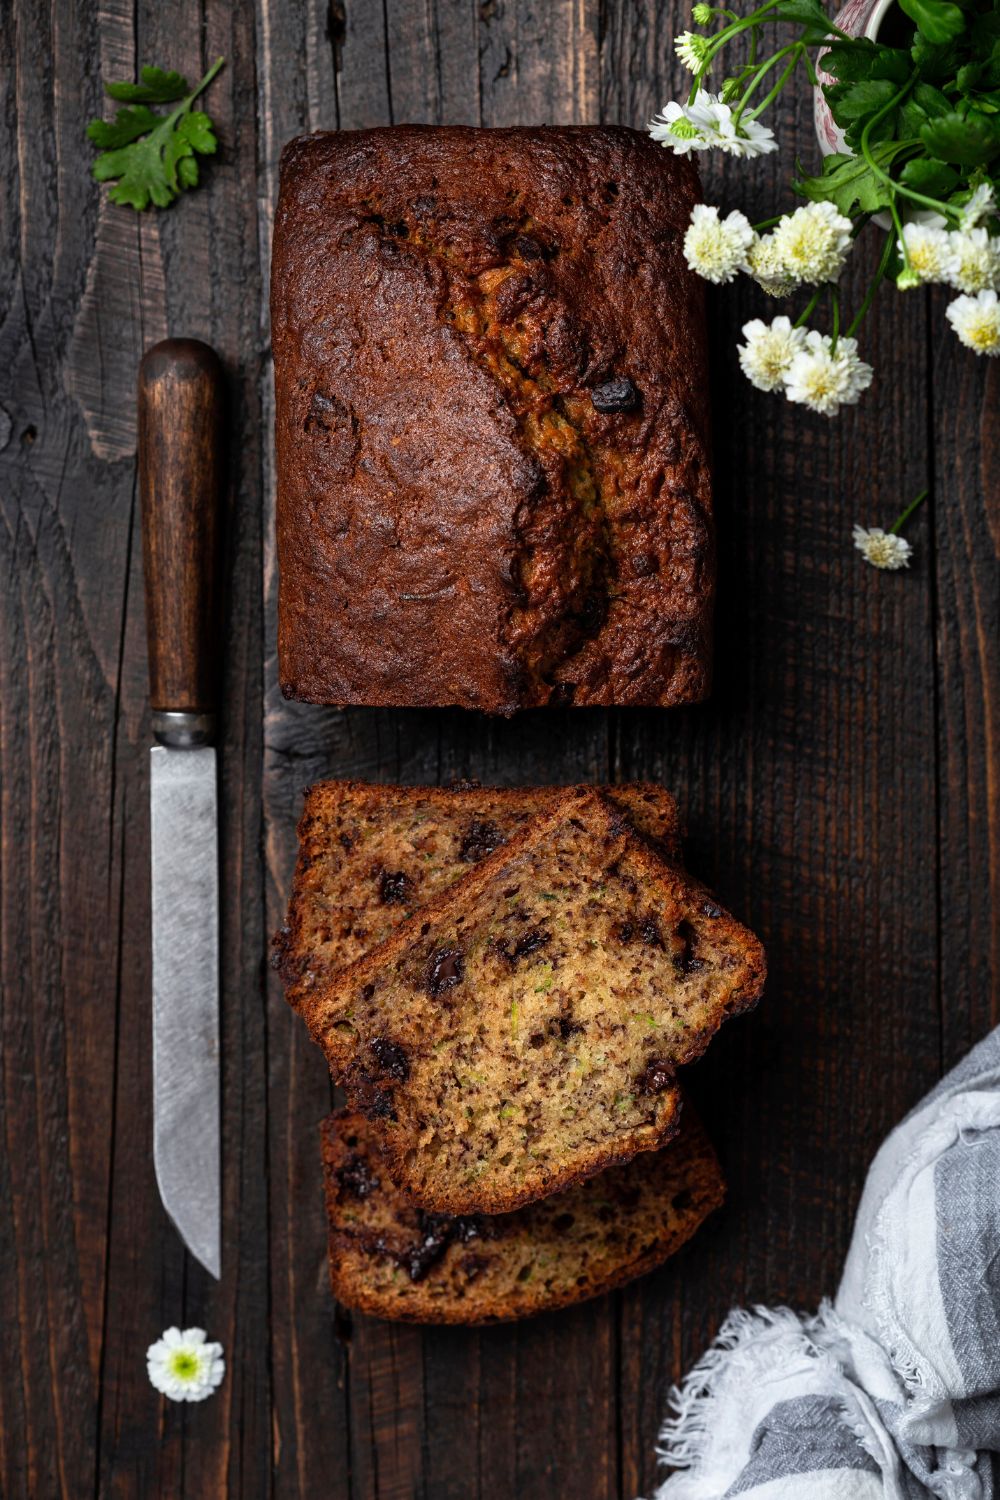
{"points": [[394, 1260], [491, 420], [369, 856], [523, 1030]]}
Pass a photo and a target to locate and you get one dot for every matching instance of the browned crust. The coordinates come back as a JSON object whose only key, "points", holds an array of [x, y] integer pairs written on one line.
{"points": [[322, 1010], [651, 807], [396, 229], [348, 1258]]}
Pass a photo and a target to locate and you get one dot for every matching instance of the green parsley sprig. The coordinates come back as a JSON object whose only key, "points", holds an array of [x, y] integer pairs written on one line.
{"points": [[152, 157]]}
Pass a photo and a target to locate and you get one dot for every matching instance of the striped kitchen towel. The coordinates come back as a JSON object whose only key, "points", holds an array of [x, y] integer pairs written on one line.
{"points": [[891, 1392]]}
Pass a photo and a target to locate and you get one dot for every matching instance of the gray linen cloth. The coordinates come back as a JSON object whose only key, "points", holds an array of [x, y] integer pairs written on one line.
{"points": [[892, 1391]]}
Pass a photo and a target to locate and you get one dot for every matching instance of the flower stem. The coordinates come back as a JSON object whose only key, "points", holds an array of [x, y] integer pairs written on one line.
{"points": [[835, 309], [869, 296], [901, 521], [760, 72], [809, 308]]}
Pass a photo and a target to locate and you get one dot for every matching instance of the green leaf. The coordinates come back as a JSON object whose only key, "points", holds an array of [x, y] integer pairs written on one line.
{"points": [[151, 158], [911, 120], [968, 77], [931, 100], [849, 182], [894, 63], [969, 141], [863, 99], [937, 20], [127, 125], [934, 61], [805, 13], [849, 61], [924, 175], [157, 87]]}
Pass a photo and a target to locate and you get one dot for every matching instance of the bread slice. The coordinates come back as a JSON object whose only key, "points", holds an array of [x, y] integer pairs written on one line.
{"points": [[394, 1260], [522, 1031], [370, 855]]}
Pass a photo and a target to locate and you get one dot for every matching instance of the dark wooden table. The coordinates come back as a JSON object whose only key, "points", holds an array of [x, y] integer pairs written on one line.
{"points": [[841, 791]]}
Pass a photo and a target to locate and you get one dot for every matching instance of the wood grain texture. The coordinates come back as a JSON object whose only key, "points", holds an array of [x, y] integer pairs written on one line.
{"points": [[840, 790], [181, 438]]}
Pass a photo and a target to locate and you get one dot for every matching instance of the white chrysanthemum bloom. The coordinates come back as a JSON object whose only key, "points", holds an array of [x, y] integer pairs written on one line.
{"points": [[707, 124], [812, 243], [750, 138], [184, 1366], [929, 253], [770, 348], [691, 49], [976, 266], [672, 127], [824, 379], [766, 268], [981, 205], [883, 549], [717, 248], [976, 320]]}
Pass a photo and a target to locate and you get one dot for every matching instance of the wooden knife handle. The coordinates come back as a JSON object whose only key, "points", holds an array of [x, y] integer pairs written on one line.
{"points": [[181, 415]]}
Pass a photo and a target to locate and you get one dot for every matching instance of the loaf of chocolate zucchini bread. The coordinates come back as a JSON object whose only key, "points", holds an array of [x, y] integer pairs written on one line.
{"points": [[491, 420], [522, 1030], [392, 1259]]}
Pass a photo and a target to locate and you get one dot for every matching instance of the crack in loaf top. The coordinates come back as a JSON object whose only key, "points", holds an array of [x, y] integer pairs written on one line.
{"points": [[491, 431]]}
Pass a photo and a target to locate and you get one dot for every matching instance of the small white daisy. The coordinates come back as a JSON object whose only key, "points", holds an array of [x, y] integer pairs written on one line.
{"points": [[751, 138], [691, 49], [981, 205], [976, 265], [883, 549], [825, 380], [717, 248], [976, 320], [183, 1366], [930, 255], [770, 348], [812, 244], [766, 268], [672, 127]]}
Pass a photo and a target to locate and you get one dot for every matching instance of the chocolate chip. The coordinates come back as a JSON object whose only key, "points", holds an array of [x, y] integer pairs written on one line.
{"points": [[356, 1177], [480, 838], [644, 564], [623, 931], [445, 969], [681, 1201], [651, 934], [655, 1077], [528, 942], [346, 842], [562, 1222], [528, 248], [391, 1057], [684, 938], [394, 887], [378, 1105], [564, 1027], [710, 909], [618, 394]]}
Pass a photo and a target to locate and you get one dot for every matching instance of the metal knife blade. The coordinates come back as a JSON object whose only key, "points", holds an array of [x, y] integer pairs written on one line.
{"points": [[185, 868]]}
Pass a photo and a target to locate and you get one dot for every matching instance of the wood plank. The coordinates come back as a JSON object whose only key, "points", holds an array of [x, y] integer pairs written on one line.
{"points": [[808, 786], [965, 509]]}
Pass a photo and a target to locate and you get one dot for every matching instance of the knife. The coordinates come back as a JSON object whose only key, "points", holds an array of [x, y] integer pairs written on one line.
{"points": [[181, 401]]}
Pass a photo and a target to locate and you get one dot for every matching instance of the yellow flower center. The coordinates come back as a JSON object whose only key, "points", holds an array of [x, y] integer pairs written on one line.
{"points": [[983, 333], [184, 1364]]}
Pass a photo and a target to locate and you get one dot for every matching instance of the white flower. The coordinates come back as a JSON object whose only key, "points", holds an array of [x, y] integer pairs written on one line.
{"points": [[717, 248], [672, 127], [976, 320], [825, 380], [184, 1366], [976, 266], [708, 124], [929, 252], [981, 205], [691, 49], [883, 549], [767, 355], [812, 243], [750, 139], [764, 265]]}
